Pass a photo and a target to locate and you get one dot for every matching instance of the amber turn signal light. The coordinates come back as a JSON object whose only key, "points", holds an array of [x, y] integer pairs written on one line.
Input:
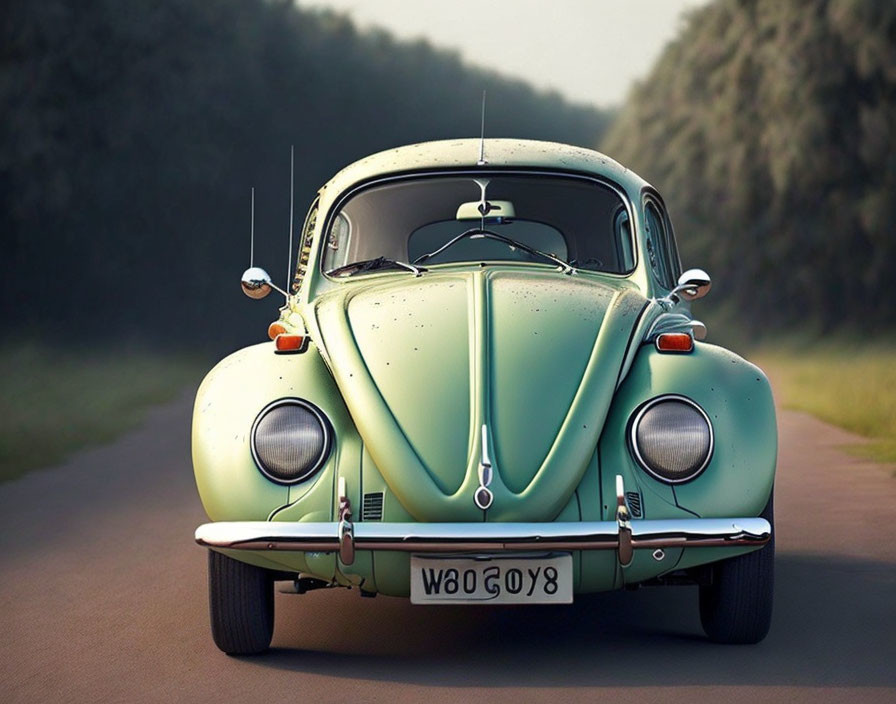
{"points": [[289, 343], [276, 328], [675, 342]]}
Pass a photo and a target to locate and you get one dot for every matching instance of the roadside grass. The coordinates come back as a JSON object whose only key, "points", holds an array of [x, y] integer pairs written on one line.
{"points": [[56, 401], [850, 386]]}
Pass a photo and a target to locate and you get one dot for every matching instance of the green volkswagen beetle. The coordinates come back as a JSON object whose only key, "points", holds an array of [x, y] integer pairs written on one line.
{"points": [[486, 387]]}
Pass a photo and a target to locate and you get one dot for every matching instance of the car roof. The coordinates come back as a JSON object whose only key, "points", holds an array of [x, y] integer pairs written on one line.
{"points": [[499, 153]]}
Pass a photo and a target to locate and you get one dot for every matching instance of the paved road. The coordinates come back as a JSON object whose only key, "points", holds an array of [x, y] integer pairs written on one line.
{"points": [[102, 598]]}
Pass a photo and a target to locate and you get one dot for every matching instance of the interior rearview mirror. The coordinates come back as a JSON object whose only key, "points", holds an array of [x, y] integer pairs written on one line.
{"points": [[495, 211]]}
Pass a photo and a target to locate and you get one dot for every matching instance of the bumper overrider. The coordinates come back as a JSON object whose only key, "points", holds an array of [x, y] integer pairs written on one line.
{"points": [[623, 535]]}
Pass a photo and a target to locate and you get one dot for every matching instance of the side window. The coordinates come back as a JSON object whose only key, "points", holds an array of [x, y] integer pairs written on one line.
{"points": [[622, 231], [338, 242], [305, 246], [656, 242], [674, 258]]}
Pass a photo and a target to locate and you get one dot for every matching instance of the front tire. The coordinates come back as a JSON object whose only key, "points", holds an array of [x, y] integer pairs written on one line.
{"points": [[737, 606], [241, 605]]}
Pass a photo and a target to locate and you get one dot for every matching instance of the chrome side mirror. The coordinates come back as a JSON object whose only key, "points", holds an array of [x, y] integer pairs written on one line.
{"points": [[256, 283], [692, 284]]}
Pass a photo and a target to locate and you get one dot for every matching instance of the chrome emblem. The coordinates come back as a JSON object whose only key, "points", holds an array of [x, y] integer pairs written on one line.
{"points": [[483, 496]]}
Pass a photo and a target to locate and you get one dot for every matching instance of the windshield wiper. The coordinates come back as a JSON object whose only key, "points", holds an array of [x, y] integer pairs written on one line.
{"points": [[566, 266], [365, 265], [477, 233]]}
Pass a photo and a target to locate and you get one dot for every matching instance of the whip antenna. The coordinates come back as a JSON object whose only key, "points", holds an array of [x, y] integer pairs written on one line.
{"points": [[482, 161], [252, 232], [291, 192]]}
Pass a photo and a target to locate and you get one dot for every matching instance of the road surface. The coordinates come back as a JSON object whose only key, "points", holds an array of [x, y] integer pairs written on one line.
{"points": [[103, 598]]}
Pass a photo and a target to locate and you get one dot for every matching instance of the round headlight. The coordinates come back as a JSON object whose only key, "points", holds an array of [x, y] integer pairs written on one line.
{"points": [[671, 438], [290, 440]]}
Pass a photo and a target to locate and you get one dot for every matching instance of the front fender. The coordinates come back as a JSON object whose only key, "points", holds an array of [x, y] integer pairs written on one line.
{"points": [[737, 398], [230, 485]]}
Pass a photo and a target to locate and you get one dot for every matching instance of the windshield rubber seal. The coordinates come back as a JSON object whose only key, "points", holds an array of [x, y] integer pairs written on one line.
{"points": [[466, 171]]}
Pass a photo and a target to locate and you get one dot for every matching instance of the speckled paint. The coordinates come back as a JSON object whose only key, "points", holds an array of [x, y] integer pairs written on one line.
{"points": [[408, 369]]}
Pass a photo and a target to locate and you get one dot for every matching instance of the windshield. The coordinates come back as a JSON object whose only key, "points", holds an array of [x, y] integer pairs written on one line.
{"points": [[486, 217]]}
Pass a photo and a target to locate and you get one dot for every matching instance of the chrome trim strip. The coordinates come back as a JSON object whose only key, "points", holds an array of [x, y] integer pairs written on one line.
{"points": [[485, 537], [483, 497]]}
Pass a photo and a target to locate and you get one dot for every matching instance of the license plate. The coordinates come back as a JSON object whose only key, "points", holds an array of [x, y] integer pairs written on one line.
{"points": [[491, 580]]}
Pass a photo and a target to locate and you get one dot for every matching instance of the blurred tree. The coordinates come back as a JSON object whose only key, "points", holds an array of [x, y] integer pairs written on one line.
{"points": [[770, 128], [132, 132]]}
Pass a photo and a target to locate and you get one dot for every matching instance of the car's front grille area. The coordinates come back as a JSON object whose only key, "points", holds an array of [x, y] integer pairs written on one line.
{"points": [[372, 507], [633, 499]]}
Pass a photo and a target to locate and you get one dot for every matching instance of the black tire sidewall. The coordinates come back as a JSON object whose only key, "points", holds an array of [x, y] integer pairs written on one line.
{"points": [[241, 605]]}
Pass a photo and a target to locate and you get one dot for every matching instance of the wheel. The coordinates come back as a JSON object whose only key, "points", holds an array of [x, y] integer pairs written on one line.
{"points": [[241, 605], [736, 607]]}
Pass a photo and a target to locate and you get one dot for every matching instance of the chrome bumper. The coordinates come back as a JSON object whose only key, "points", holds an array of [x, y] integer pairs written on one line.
{"points": [[486, 537], [623, 535]]}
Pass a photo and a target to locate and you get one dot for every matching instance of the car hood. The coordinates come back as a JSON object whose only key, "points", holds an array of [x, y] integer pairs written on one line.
{"points": [[423, 363]]}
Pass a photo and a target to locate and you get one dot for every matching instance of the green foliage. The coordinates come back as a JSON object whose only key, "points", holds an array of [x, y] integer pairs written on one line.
{"points": [[770, 129], [853, 386], [55, 401], [132, 132]]}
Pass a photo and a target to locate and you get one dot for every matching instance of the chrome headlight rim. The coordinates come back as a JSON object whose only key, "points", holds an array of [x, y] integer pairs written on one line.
{"points": [[633, 437], [326, 446]]}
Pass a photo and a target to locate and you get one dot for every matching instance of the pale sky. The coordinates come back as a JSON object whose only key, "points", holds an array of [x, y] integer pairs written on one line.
{"points": [[590, 51]]}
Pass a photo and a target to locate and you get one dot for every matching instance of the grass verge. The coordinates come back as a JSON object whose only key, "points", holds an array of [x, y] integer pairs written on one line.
{"points": [[852, 387], [54, 402]]}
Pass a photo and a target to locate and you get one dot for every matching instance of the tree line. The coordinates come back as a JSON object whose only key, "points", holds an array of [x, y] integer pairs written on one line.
{"points": [[133, 131], [770, 128]]}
